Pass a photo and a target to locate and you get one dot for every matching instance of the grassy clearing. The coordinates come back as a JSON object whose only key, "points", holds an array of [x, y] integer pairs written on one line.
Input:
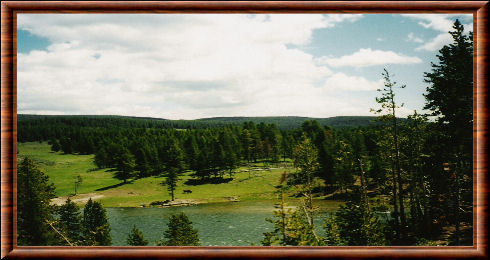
{"points": [[63, 169]]}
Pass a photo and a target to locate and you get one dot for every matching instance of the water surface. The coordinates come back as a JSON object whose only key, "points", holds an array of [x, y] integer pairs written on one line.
{"points": [[219, 224]]}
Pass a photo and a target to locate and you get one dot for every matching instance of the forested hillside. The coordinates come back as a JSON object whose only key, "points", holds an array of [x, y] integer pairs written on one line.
{"points": [[283, 123]]}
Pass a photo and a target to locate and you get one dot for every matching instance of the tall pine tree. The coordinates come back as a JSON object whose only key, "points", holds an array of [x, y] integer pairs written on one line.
{"points": [[95, 226], [34, 212]]}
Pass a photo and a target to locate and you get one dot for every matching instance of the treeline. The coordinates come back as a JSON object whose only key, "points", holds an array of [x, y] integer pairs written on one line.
{"points": [[142, 152], [50, 122]]}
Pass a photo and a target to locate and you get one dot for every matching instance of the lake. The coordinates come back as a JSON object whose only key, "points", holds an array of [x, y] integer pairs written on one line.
{"points": [[219, 224]]}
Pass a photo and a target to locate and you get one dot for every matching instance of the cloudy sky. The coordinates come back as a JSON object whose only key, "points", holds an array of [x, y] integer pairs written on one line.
{"points": [[178, 66]]}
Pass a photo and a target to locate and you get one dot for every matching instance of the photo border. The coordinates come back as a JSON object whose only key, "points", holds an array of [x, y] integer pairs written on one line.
{"points": [[9, 11]]}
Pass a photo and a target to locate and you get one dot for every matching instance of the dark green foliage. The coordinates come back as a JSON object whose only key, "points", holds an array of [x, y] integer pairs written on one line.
{"points": [[292, 227], [450, 94], [135, 238], [171, 181], [354, 225], [306, 160], [55, 145], [34, 193], [69, 222], [180, 232], [66, 144], [95, 226], [450, 98], [125, 164]]}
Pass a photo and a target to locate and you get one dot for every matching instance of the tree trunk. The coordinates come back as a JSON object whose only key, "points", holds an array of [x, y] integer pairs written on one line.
{"points": [[457, 202], [398, 174], [395, 204]]}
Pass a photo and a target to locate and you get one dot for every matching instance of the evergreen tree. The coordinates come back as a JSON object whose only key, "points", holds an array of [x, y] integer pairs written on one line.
{"points": [[246, 142], [34, 212], [291, 227], [388, 113], [306, 160], [191, 151], [95, 226], [55, 145], [180, 232], [125, 165], [135, 238], [142, 160], [229, 144], [354, 225], [69, 222], [66, 145], [101, 158], [171, 181], [175, 156], [344, 165], [450, 98]]}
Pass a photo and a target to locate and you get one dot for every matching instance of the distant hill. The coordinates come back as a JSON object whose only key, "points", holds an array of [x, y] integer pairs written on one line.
{"points": [[283, 122], [291, 122]]}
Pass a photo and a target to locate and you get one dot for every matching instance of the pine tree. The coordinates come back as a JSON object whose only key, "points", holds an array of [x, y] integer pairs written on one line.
{"points": [[180, 232], [171, 181], [34, 212], [291, 227], [69, 222], [344, 165], [388, 113], [135, 238], [306, 160], [450, 98], [125, 165], [95, 226], [55, 145], [354, 225]]}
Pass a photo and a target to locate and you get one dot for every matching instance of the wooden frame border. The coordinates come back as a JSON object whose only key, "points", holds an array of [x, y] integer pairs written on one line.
{"points": [[9, 11]]}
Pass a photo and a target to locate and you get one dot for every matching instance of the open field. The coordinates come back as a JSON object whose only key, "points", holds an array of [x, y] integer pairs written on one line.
{"points": [[100, 184]]}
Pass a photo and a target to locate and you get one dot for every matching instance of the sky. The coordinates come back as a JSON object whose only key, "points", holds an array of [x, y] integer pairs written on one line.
{"points": [[189, 66]]}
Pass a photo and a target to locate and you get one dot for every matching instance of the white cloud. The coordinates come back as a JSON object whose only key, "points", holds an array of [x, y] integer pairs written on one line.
{"points": [[412, 38], [340, 81], [436, 43], [442, 23], [178, 66], [438, 22], [368, 57]]}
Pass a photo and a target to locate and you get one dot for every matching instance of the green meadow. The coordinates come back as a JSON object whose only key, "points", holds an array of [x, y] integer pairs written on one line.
{"points": [[249, 183]]}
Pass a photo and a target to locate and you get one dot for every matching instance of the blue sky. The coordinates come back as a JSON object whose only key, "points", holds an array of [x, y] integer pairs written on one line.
{"points": [[191, 66]]}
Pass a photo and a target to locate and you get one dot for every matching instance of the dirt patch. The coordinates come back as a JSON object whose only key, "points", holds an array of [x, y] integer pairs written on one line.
{"points": [[175, 203], [80, 198]]}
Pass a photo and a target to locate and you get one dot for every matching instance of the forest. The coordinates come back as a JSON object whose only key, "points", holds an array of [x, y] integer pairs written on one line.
{"points": [[422, 163]]}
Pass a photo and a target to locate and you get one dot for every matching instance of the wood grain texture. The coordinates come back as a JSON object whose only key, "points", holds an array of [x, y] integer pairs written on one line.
{"points": [[9, 128], [8, 125], [480, 129], [249, 6]]}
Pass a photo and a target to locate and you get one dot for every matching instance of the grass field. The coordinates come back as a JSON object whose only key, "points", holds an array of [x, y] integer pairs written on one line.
{"points": [[62, 170]]}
